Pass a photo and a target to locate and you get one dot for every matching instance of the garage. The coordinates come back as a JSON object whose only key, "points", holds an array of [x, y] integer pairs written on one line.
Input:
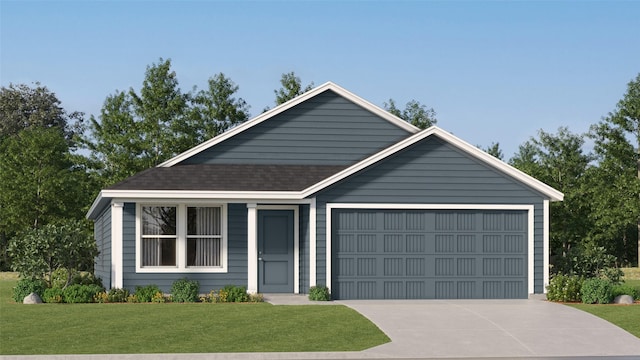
{"points": [[429, 253]]}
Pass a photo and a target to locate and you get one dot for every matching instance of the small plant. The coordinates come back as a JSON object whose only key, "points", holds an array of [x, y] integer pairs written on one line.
{"points": [[564, 288], [117, 295], [76, 293], [27, 286], [256, 298], [145, 293], [158, 298], [235, 293], [624, 289], [319, 293], [101, 297], [52, 295], [213, 296], [185, 290], [132, 298], [596, 291]]}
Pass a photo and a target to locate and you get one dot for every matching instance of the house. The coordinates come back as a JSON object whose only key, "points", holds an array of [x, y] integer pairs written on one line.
{"points": [[329, 189]]}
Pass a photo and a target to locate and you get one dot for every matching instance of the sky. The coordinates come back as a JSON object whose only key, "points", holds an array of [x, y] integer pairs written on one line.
{"points": [[494, 71]]}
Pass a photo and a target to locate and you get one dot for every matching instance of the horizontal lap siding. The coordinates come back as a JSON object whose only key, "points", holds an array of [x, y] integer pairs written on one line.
{"points": [[431, 172], [236, 255], [102, 233], [319, 131]]}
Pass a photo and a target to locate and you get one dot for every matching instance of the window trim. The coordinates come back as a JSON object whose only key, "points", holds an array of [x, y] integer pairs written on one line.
{"points": [[181, 239]]}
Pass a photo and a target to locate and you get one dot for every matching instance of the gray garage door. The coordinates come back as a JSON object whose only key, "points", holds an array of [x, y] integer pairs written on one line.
{"points": [[429, 254]]}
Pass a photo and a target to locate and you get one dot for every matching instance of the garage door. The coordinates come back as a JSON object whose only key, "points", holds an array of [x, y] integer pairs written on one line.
{"points": [[429, 254]]}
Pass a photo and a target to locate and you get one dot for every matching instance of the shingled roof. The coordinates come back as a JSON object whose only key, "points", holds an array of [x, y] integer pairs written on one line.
{"points": [[221, 177]]}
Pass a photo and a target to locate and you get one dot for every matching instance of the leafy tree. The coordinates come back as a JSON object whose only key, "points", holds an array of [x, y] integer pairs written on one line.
{"points": [[615, 182], [23, 107], [291, 87], [494, 150], [216, 109], [558, 160], [414, 113], [41, 251]]}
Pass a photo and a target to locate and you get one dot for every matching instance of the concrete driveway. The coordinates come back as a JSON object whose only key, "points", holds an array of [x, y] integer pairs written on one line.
{"points": [[492, 328]]}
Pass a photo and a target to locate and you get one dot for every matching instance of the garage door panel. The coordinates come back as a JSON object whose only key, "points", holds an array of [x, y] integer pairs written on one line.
{"points": [[429, 254]]}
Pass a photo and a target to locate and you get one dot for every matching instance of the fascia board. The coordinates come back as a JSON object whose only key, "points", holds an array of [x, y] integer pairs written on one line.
{"points": [[492, 161], [178, 194], [285, 106]]}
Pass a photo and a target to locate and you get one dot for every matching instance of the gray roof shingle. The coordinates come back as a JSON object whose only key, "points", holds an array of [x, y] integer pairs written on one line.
{"points": [[222, 177]]}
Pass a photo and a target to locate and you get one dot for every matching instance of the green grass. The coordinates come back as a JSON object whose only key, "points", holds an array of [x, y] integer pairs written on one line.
{"points": [[624, 316], [179, 328]]}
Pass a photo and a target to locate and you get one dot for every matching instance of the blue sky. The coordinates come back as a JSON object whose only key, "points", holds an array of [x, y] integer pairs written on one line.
{"points": [[494, 71]]}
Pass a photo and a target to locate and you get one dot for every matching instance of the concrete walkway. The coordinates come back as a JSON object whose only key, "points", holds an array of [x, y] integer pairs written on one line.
{"points": [[451, 329]]}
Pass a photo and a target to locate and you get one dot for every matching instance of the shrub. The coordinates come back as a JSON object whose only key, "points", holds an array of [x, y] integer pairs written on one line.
{"points": [[185, 290], [158, 298], [596, 291], [235, 293], [624, 289], [117, 295], [101, 297], [27, 286], [145, 293], [76, 293], [132, 298], [319, 293], [52, 295], [564, 288], [256, 298]]}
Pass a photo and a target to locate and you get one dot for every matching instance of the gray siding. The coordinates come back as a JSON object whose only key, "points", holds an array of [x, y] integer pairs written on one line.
{"points": [[237, 256], [102, 234], [431, 172], [324, 130], [304, 249]]}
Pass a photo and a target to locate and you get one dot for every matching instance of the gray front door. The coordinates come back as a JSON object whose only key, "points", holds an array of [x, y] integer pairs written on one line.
{"points": [[275, 251]]}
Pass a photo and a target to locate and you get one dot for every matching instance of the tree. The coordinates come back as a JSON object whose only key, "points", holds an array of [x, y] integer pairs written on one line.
{"points": [[41, 251], [558, 160], [23, 107], [494, 150], [414, 113], [216, 109], [616, 180], [291, 88]]}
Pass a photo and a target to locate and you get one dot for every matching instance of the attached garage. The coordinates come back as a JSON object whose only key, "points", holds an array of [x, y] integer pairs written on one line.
{"points": [[431, 253]]}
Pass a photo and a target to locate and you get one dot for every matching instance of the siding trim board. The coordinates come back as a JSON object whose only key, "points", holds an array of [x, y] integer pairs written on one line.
{"points": [[530, 229]]}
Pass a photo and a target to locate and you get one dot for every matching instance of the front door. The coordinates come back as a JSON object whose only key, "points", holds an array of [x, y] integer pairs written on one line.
{"points": [[275, 251]]}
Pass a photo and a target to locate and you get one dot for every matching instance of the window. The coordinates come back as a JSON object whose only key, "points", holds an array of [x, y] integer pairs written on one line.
{"points": [[181, 238]]}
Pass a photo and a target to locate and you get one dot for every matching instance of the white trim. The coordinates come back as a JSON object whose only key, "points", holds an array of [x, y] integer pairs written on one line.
{"points": [[181, 239], [313, 242], [545, 242], [530, 220], [296, 240], [117, 213], [287, 105], [492, 161], [252, 248]]}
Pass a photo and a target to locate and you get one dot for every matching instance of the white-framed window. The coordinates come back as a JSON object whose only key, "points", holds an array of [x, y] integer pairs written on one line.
{"points": [[181, 238]]}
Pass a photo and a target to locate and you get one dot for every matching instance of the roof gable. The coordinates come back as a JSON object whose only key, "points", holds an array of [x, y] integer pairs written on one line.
{"points": [[329, 86]]}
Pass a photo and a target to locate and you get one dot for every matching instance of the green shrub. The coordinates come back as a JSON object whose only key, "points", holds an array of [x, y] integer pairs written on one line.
{"points": [[132, 298], [101, 297], [185, 290], [27, 286], [77, 293], [319, 293], [564, 288], [52, 295], [596, 291], [145, 293], [158, 298], [236, 293], [116, 295], [624, 289]]}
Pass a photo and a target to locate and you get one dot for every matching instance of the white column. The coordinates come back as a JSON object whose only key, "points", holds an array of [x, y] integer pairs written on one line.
{"points": [[312, 243], [252, 248], [116, 244], [545, 242]]}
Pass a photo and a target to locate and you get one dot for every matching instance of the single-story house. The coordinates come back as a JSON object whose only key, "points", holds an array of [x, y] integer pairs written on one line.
{"points": [[329, 189]]}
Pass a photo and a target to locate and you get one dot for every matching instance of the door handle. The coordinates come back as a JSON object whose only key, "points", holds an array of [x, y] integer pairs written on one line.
{"points": [[260, 259]]}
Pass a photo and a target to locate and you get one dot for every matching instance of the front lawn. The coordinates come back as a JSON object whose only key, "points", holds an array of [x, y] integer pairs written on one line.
{"points": [[179, 328], [624, 316]]}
